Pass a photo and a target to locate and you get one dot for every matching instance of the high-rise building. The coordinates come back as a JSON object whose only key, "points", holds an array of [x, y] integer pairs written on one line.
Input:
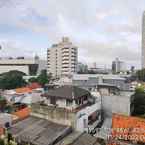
{"points": [[118, 66], [62, 58], [143, 40]]}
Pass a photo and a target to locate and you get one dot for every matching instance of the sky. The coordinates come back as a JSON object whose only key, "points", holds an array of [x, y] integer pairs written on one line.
{"points": [[102, 29]]}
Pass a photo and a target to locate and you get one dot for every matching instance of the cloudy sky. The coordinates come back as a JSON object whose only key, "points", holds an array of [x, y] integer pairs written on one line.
{"points": [[102, 29]]}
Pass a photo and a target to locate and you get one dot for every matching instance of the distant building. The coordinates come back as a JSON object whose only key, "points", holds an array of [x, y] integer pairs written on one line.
{"points": [[30, 66], [82, 68], [62, 58], [143, 41], [118, 66], [89, 81]]}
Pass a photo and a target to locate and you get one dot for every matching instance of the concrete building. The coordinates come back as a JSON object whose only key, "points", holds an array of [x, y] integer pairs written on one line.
{"points": [[118, 66], [72, 106], [143, 41], [62, 58], [29, 66], [114, 100], [89, 81]]}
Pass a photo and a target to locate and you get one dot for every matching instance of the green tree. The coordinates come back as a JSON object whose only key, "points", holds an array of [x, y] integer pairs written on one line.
{"points": [[33, 79], [44, 78], [141, 75], [2, 142], [12, 80], [138, 102], [3, 104]]}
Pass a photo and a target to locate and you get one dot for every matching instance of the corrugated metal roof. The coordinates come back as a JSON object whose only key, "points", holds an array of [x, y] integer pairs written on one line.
{"points": [[67, 92], [38, 131]]}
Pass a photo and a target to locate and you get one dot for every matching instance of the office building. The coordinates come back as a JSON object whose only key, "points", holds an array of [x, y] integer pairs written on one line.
{"points": [[118, 66], [62, 58], [29, 66]]}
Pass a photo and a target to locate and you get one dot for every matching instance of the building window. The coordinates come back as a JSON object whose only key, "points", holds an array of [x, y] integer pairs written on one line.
{"points": [[69, 102], [85, 98], [53, 100]]}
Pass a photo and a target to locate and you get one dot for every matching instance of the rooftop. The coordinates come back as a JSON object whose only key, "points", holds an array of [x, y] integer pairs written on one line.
{"points": [[38, 131], [77, 138], [67, 92], [131, 126]]}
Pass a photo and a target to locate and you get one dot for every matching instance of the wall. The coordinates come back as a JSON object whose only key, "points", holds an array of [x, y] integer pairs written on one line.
{"points": [[54, 114], [61, 103], [82, 116], [116, 104]]}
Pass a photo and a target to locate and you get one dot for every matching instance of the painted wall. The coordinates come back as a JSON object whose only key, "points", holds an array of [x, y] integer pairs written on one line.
{"points": [[116, 104]]}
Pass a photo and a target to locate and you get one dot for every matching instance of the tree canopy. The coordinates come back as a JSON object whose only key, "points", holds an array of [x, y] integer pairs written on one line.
{"points": [[138, 102], [43, 78], [12, 80], [141, 75]]}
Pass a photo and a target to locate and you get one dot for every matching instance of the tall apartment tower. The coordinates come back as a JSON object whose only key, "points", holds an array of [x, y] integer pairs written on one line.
{"points": [[143, 40], [62, 58], [118, 66]]}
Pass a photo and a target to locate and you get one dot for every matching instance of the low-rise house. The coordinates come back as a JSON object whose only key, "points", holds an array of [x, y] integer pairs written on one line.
{"points": [[70, 105], [68, 97], [114, 100], [27, 95]]}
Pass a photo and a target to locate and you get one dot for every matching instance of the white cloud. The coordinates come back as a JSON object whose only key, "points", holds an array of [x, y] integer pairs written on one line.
{"points": [[102, 29]]}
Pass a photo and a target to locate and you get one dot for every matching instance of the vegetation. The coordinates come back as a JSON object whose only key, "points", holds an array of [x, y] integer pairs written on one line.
{"points": [[3, 104], [2, 142], [42, 79], [33, 80], [138, 102], [141, 75], [12, 80]]}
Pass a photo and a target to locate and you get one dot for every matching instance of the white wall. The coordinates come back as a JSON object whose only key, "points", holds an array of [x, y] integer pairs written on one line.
{"points": [[116, 104], [82, 116]]}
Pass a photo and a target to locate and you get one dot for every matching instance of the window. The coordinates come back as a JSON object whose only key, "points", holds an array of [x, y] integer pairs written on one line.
{"points": [[69, 102], [53, 100]]}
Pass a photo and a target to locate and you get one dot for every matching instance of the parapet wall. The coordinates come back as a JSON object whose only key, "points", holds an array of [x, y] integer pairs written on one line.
{"points": [[54, 114]]}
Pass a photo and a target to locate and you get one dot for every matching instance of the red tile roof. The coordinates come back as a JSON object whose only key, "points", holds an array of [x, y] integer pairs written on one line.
{"points": [[128, 128], [23, 113], [1, 131], [34, 86], [23, 90]]}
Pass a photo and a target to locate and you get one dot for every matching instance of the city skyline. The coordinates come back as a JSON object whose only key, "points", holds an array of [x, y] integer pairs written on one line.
{"points": [[102, 30]]}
